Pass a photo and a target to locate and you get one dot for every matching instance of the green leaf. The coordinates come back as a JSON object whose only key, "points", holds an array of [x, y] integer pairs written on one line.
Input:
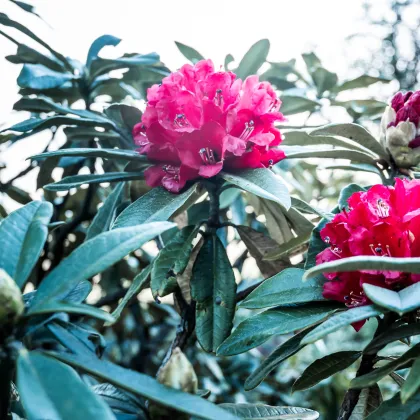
{"points": [[77, 180], [288, 247], [359, 82], [106, 213], [122, 154], [325, 367], [369, 400], [412, 383], [257, 329], [374, 376], [293, 104], [254, 58], [98, 44], [39, 77], [281, 353], [341, 320], [213, 287], [316, 245], [301, 152], [189, 53], [140, 282], [51, 390], [284, 288], [262, 411], [405, 300], [171, 261], [392, 334], [311, 60], [363, 262], [228, 59], [70, 308], [261, 182], [22, 237], [324, 80], [306, 208], [125, 116], [94, 256], [145, 386], [393, 409], [158, 204], [357, 167], [346, 193], [354, 132], [358, 108]]}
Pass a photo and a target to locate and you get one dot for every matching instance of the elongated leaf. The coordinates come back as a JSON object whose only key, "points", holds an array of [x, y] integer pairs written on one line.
{"points": [[394, 409], [325, 367], [259, 328], [262, 411], [369, 400], [346, 193], [263, 183], [71, 308], [412, 383], [145, 386], [213, 287], [408, 265], [22, 237], [324, 80], [171, 261], [100, 43], [284, 288], [253, 59], [354, 132], [94, 256], [281, 353], [359, 82], [340, 320], [288, 247], [374, 376], [51, 390], [306, 208], [158, 204], [140, 282], [292, 104], [356, 167], [405, 300], [189, 53], [78, 180], [39, 77], [129, 155], [106, 214]]}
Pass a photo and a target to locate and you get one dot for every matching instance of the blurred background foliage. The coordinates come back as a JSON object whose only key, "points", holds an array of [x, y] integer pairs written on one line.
{"points": [[66, 99]]}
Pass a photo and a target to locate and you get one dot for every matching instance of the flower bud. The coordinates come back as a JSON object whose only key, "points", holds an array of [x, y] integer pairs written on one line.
{"points": [[178, 373], [11, 303], [400, 129]]}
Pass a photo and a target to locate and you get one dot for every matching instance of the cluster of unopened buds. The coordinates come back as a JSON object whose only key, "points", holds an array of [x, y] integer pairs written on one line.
{"points": [[199, 121], [384, 222]]}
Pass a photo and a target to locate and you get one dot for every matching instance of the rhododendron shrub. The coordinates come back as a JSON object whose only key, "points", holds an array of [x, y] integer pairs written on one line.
{"points": [[199, 121]]}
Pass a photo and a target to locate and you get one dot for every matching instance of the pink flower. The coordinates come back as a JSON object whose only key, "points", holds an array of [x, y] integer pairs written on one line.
{"points": [[199, 121], [384, 221]]}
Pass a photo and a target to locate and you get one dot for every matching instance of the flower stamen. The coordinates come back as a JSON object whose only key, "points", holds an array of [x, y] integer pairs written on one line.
{"points": [[378, 251], [382, 209], [181, 121], [249, 128], [336, 251], [207, 156], [218, 97]]}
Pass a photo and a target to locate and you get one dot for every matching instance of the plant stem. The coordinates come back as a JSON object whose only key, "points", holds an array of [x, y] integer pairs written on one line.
{"points": [[214, 196], [366, 365], [7, 369]]}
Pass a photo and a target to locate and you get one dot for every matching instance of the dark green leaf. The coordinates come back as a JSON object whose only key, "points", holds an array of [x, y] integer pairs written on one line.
{"points": [[325, 367], [158, 204], [324, 80], [263, 183], [78, 180], [393, 409], [341, 320], [281, 353], [262, 411], [346, 193], [39, 77], [412, 383], [100, 43], [213, 288], [145, 386], [259, 328], [288, 247], [311, 60], [51, 390], [357, 167], [189, 53], [93, 257], [228, 59], [22, 237], [253, 59], [295, 104], [369, 400], [359, 82], [284, 288]]}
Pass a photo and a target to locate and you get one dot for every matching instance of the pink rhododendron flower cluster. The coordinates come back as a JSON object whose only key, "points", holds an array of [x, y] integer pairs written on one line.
{"points": [[384, 221], [199, 120]]}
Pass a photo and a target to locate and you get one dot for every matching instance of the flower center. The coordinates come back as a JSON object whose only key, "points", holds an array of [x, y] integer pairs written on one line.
{"points": [[336, 251], [354, 299], [180, 121], [218, 97], [382, 209], [249, 128], [378, 250], [207, 156], [273, 105], [171, 172]]}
